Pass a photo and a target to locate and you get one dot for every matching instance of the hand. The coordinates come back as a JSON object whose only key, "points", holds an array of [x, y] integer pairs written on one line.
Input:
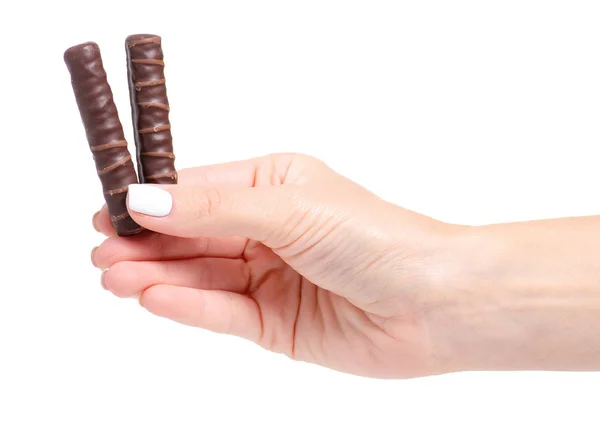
{"points": [[283, 251]]}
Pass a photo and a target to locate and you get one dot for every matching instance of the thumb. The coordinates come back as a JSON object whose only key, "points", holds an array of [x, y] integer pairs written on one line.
{"points": [[260, 213]]}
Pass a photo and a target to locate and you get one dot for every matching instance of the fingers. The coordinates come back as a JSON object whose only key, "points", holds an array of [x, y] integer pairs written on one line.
{"points": [[266, 170], [101, 222], [228, 174], [267, 214], [128, 279], [101, 219], [239, 173], [214, 310], [158, 247], [271, 170]]}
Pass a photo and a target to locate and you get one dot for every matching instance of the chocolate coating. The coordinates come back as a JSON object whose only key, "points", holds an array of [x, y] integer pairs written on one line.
{"points": [[150, 109], [104, 132]]}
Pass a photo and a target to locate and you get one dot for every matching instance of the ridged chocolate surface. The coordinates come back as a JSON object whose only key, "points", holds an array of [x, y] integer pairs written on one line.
{"points": [[104, 132], [150, 109]]}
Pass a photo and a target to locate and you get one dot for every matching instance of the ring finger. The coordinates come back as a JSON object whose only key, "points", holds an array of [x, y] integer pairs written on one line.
{"points": [[129, 279]]}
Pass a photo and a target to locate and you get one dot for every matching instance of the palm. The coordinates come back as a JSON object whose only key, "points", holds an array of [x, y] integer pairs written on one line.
{"points": [[304, 321]]}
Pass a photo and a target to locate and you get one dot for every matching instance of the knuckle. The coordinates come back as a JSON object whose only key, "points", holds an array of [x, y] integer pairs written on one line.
{"points": [[308, 161], [295, 215], [201, 269], [282, 168], [202, 246], [296, 157], [303, 157], [303, 168], [209, 202], [234, 315], [199, 316], [156, 242]]}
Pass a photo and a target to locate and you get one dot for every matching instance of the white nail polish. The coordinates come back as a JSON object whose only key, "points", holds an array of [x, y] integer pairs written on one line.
{"points": [[149, 200]]}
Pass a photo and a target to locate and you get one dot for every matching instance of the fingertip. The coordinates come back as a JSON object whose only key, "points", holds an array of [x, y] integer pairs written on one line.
{"points": [[101, 222], [102, 256], [149, 199], [94, 224], [112, 280], [93, 257], [103, 279], [152, 206], [154, 298]]}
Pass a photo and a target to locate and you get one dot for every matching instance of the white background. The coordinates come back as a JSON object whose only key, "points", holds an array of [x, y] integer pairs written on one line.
{"points": [[469, 111]]}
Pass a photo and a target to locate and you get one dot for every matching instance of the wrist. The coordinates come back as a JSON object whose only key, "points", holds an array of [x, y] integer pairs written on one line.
{"points": [[468, 304], [508, 297]]}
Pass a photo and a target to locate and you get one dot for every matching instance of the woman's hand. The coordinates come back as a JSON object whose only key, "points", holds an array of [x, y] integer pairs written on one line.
{"points": [[283, 251]]}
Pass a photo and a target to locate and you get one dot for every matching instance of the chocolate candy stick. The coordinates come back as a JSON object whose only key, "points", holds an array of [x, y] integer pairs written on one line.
{"points": [[150, 109], [104, 132]]}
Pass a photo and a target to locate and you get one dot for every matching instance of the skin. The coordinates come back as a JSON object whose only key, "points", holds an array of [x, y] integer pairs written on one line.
{"points": [[283, 251]]}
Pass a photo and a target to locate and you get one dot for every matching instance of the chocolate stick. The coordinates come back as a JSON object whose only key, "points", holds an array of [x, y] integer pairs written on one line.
{"points": [[150, 109], [104, 132]]}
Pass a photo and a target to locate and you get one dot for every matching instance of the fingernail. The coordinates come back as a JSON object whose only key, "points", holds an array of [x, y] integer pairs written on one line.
{"points": [[92, 256], [102, 279], [94, 221], [149, 200]]}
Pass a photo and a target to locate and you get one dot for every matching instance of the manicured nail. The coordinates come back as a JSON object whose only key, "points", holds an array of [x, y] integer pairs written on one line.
{"points": [[92, 256], [94, 221], [102, 279], [149, 200]]}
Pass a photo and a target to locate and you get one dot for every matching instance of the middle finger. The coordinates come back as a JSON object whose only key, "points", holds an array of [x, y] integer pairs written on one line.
{"points": [[161, 247]]}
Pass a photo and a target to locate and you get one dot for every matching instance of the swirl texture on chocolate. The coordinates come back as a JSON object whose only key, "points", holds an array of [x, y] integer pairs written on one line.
{"points": [[150, 109], [104, 132]]}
